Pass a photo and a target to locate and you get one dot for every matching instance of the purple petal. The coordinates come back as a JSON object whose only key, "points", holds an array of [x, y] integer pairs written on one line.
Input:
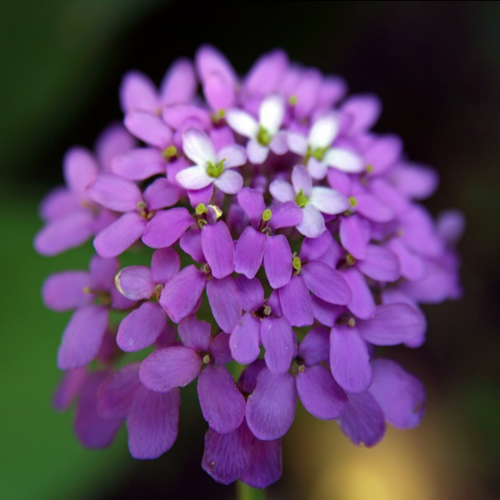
{"points": [[149, 128], [313, 248], [257, 153], [225, 302], [362, 303], [218, 92], [349, 359], [69, 388], [390, 196], [419, 233], [160, 194], [170, 367], [326, 283], [218, 248], [393, 324], [195, 334], [286, 214], [327, 314], [114, 141], [227, 456], [179, 83], [282, 191], [139, 164], [415, 181], [152, 423], [64, 291], [271, 407], [353, 236], [232, 155], [219, 349], [384, 152], [315, 347], [116, 394], [307, 93], [412, 265], [166, 227], [380, 264], [82, 337], [190, 243], [182, 117], [58, 201], [103, 272], [141, 327], [222, 404], [137, 92], [182, 292], [248, 378], [164, 265], [92, 430], [265, 467], [249, 252], [364, 111], [64, 233], [135, 282], [80, 169], [251, 293], [252, 202], [115, 193], [266, 74], [372, 208], [363, 420], [278, 339], [209, 60], [296, 302], [320, 394], [244, 340], [278, 261], [120, 235]]}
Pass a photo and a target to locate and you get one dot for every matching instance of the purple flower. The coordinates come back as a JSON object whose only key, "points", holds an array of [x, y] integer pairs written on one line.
{"points": [[307, 259]]}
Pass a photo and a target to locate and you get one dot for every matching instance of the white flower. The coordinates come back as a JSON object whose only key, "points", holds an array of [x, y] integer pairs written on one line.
{"points": [[316, 148], [264, 135], [312, 200], [210, 167]]}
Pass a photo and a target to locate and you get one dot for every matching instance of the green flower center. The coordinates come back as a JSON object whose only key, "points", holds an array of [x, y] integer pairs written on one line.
{"points": [[301, 199], [215, 170], [318, 153], [266, 215], [263, 136]]}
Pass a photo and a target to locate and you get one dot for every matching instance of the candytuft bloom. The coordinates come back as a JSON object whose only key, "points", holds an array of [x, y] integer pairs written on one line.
{"points": [[275, 199]]}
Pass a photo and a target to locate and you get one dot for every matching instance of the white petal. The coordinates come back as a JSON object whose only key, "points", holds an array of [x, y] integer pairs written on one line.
{"points": [[234, 156], [197, 146], [297, 143], [324, 131], [328, 200], [279, 143], [257, 153], [194, 178], [317, 169], [313, 224], [282, 191], [230, 182], [271, 113], [243, 123], [301, 180], [344, 160]]}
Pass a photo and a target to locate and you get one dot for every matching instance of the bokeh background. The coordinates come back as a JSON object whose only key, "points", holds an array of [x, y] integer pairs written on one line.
{"points": [[436, 67]]}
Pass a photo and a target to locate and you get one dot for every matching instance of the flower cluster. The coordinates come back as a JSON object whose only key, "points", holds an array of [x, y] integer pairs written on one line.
{"points": [[268, 208]]}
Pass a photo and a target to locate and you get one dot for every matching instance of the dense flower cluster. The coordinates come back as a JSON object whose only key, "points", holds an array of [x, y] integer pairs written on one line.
{"points": [[272, 212]]}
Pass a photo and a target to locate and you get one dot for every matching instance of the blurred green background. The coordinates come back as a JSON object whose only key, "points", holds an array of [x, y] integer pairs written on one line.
{"points": [[436, 67]]}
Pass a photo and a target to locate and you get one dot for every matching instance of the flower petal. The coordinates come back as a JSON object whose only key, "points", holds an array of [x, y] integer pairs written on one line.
{"points": [[271, 407], [252, 202], [364, 110], [313, 223], [242, 123], [135, 282], [149, 128], [160, 194], [79, 169], [353, 236], [373, 209], [344, 160], [225, 302], [138, 92], [265, 467], [286, 214], [249, 252], [194, 178], [218, 248], [324, 131], [166, 227], [198, 147], [301, 180], [82, 337], [278, 261], [380, 264], [257, 153], [64, 291], [179, 83], [164, 265], [315, 346], [326, 283], [244, 340], [230, 182], [296, 303], [328, 200], [222, 404], [170, 367], [139, 164], [141, 327], [362, 303], [194, 334], [282, 191], [321, 396], [278, 339], [349, 359]]}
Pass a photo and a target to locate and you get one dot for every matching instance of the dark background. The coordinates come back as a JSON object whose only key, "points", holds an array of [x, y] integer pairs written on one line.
{"points": [[436, 68]]}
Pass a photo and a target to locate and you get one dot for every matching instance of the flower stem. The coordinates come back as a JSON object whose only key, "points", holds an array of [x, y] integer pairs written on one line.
{"points": [[244, 492]]}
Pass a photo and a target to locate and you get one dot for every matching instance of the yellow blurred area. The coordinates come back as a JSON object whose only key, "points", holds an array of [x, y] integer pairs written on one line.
{"points": [[421, 464]]}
